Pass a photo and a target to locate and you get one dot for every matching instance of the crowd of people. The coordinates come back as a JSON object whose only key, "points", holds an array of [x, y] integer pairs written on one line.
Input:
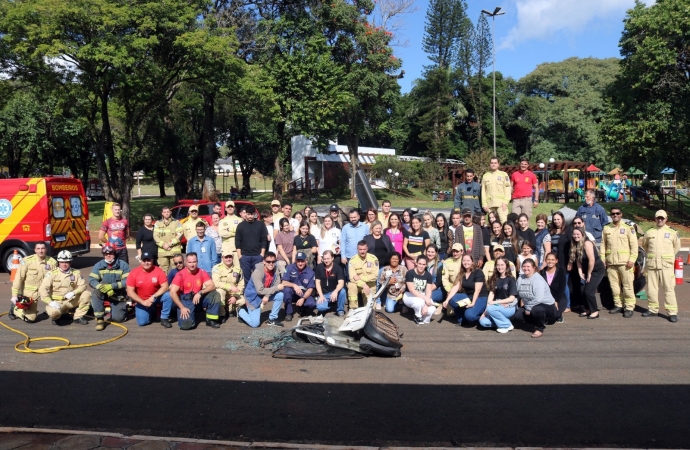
{"points": [[482, 265]]}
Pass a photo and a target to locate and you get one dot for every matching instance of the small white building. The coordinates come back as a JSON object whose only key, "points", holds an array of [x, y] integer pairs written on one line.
{"points": [[312, 170]]}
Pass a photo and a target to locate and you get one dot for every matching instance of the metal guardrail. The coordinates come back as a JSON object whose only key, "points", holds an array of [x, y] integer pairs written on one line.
{"points": [[676, 203]]}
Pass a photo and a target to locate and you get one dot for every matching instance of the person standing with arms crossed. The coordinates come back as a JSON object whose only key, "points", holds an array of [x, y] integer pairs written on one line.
{"points": [[496, 191], [525, 189], [661, 244], [619, 247]]}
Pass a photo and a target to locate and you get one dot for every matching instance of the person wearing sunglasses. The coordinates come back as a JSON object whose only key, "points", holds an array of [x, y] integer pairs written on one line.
{"points": [[619, 247], [265, 285], [166, 299], [229, 284]]}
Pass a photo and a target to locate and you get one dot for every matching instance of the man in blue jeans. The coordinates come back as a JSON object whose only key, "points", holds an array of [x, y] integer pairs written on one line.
{"points": [[146, 285], [251, 239], [193, 288], [299, 287], [330, 284], [263, 286]]}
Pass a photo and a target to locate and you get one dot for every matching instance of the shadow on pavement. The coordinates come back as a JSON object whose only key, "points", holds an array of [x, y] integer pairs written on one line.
{"points": [[310, 411]]}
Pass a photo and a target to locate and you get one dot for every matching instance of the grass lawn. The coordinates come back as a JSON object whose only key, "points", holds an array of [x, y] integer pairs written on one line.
{"points": [[402, 199]]}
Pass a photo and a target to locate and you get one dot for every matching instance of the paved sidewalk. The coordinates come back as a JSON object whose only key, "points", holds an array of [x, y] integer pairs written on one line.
{"points": [[26, 438]]}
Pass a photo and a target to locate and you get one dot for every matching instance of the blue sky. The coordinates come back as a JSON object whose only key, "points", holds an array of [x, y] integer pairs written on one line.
{"points": [[530, 33]]}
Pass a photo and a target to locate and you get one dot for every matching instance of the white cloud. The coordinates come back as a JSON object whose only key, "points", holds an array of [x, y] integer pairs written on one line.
{"points": [[541, 19]]}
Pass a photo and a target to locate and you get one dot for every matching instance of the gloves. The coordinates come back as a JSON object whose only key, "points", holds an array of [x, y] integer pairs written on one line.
{"points": [[69, 295], [105, 288], [14, 300], [55, 305], [110, 293]]}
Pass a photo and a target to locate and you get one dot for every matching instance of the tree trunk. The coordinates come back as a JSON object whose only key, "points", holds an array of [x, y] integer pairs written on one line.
{"points": [[210, 150], [234, 174], [246, 175], [160, 175], [352, 142], [106, 172], [279, 172]]}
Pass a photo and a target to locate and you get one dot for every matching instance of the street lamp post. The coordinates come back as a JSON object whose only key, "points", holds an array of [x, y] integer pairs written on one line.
{"points": [[543, 178], [396, 180], [493, 38]]}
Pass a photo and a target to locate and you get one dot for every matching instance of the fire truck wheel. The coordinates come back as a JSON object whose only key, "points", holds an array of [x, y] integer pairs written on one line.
{"points": [[7, 258]]}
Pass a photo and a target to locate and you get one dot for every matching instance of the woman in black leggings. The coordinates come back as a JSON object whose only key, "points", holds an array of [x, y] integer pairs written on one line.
{"points": [[590, 268]]}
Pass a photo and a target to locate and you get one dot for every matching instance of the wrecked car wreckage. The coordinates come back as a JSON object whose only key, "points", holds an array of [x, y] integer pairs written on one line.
{"points": [[362, 331]]}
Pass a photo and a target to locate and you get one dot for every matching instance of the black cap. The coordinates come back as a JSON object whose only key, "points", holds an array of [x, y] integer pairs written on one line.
{"points": [[334, 207], [146, 256], [466, 212]]}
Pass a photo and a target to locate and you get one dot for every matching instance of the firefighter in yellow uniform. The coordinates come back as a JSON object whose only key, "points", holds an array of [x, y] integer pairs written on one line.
{"points": [[661, 245], [363, 270], [167, 234], [451, 267], [189, 225], [227, 228], [619, 247], [496, 191], [31, 272], [229, 284], [64, 289]]}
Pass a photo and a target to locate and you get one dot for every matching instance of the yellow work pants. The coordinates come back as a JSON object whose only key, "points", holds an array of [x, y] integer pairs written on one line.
{"points": [[666, 280], [621, 279], [353, 290], [165, 263], [81, 302], [226, 306]]}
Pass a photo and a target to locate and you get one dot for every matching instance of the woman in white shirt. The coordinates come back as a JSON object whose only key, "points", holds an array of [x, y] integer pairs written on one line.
{"points": [[329, 239], [314, 225]]}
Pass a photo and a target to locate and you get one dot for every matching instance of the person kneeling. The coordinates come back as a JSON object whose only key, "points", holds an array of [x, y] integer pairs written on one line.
{"points": [[502, 299], [469, 304], [299, 284], [191, 288], [330, 284], [264, 285], [108, 278], [145, 285], [418, 295], [535, 295]]}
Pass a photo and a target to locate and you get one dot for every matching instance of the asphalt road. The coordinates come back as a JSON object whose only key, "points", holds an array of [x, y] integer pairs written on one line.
{"points": [[611, 382]]}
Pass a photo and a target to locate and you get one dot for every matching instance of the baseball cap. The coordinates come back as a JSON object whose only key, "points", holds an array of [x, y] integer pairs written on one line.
{"points": [[457, 246], [466, 212], [334, 207], [229, 203], [146, 255], [301, 255], [228, 253], [275, 202], [661, 213], [193, 208], [496, 246]]}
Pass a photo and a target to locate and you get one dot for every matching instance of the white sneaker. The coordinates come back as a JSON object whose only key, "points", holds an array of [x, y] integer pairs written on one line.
{"points": [[378, 307], [505, 330]]}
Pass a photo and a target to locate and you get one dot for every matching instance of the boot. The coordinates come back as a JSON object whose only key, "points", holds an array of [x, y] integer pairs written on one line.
{"points": [[100, 325], [12, 315], [212, 323]]}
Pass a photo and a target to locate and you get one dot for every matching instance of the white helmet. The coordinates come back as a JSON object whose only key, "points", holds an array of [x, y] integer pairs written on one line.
{"points": [[64, 256]]}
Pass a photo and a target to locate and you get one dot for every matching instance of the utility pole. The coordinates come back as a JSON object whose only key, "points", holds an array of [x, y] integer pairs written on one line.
{"points": [[493, 38]]}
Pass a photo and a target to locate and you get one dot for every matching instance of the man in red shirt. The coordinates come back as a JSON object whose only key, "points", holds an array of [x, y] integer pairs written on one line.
{"points": [[525, 189], [145, 287], [117, 229], [191, 288]]}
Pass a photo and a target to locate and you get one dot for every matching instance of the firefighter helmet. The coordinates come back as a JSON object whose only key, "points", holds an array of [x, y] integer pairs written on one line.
{"points": [[64, 256], [108, 249], [23, 302]]}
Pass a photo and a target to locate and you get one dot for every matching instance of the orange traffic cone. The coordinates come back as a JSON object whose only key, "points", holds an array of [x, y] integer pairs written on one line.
{"points": [[15, 265]]}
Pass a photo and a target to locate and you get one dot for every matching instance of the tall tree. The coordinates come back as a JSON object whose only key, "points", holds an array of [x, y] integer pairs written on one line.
{"points": [[446, 22], [128, 58], [648, 118]]}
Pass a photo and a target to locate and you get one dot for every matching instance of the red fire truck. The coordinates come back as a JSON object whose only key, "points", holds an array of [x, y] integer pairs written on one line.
{"points": [[51, 210]]}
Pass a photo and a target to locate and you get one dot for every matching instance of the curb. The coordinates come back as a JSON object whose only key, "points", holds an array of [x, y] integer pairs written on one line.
{"points": [[274, 445]]}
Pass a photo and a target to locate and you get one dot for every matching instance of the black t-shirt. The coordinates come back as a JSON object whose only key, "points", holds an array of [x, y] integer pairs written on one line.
{"points": [[329, 280], [303, 243], [526, 235], [380, 252], [509, 251], [505, 287], [420, 281], [415, 243], [468, 284]]}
